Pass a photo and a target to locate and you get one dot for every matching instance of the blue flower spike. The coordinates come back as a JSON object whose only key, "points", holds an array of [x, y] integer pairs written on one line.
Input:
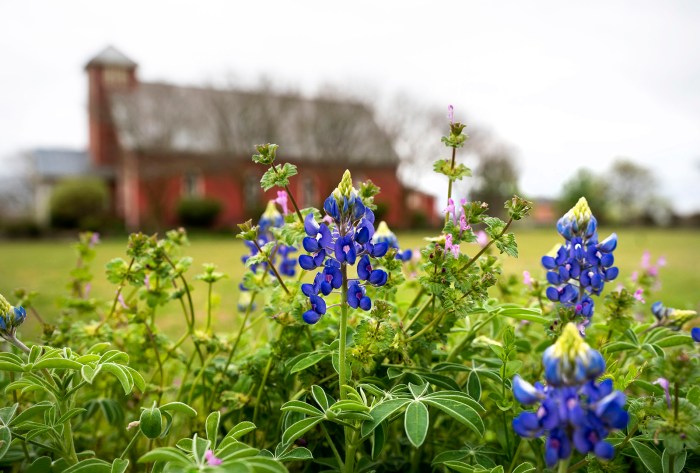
{"points": [[349, 238], [10, 318], [581, 266], [575, 411]]}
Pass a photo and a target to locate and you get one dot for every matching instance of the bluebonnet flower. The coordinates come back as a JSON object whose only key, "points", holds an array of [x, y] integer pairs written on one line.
{"points": [[582, 265], [695, 333], [10, 318], [345, 237], [384, 235], [674, 318], [283, 255], [574, 410]]}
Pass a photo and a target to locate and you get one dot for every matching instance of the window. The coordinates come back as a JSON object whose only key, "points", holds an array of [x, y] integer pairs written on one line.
{"points": [[116, 77], [192, 185]]}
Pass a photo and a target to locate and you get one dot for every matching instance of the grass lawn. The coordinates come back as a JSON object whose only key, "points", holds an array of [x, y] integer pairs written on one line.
{"points": [[43, 266]]}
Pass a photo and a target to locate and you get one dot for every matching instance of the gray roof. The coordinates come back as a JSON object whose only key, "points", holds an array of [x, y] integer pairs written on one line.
{"points": [[111, 56], [167, 118], [59, 163]]}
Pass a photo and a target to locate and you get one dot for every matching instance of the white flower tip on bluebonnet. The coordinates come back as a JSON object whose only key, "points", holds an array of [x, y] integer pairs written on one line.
{"points": [[570, 361]]}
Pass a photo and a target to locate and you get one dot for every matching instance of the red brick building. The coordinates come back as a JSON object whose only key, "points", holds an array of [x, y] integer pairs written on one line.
{"points": [[159, 143]]}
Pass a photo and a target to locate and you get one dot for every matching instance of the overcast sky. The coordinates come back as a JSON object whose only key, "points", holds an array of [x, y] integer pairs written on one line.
{"points": [[567, 85]]}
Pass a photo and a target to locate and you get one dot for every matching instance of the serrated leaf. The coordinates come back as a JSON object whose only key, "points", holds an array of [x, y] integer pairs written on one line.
{"points": [[416, 422], [298, 429]]}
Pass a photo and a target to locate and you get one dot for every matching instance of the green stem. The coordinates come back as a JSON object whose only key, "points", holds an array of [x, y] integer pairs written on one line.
{"points": [[563, 465], [291, 197], [516, 456], [131, 443], [430, 325], [338, 458], [486, 247], [676, 393], [241, 329], [208, 328], [68, 437], [263, 381], [272, 266], [468, 337], [342, 369], [419, 313]]}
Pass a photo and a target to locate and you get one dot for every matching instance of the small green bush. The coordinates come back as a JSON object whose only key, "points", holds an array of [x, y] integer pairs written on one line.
{"points": [[198, 212], [79, 203]]}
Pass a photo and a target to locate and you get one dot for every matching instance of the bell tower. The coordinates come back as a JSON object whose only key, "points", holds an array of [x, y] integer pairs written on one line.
{"points": [[109, 71]]}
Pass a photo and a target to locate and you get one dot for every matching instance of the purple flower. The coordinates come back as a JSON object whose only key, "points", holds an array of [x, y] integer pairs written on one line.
{"points": [[212, 460], [357, 296], [281, 200], [318, 308], [695, 333]]}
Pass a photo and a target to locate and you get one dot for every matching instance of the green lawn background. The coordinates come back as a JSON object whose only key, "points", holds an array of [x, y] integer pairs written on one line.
{"points": [[43, 266]]}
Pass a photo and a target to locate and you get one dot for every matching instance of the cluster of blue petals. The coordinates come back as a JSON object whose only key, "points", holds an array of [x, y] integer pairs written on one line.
{"points": [[581, 266], [574, 410], [12, 319], [346, 240], [579, 417], [388, 237]]}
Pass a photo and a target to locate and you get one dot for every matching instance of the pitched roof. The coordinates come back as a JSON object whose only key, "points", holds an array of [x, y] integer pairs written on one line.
{"points": [[167, 118], [59, 163], [111, 56]]}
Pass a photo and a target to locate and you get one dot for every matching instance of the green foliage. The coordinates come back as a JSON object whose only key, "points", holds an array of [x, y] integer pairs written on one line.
{"points": [[198, 212], [79, 203], [278, 177]]}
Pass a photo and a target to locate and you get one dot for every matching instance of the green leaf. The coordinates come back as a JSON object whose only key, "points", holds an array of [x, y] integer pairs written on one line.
{"points": [[460, 467], [120, 465], [57, 363], [166, 454], [88, 372], [382, 411], [321, 397], [299, 453], [298, 429], [474, 385], [648, 456], [238, 431], [262, 465], [526, 467], [30, 411], [7, 413], [675, 340], [121, 374], [678, 461], [308, 361], [278, 176], [5, 439], [301, 407], [11, 366], [151, 422], [139, 382], [619, 346], [378, 440], [212, 426], [524, 313], [70, 413], [179, 407], [460, 412], [416, 421], [40, 465], [91, 465]]}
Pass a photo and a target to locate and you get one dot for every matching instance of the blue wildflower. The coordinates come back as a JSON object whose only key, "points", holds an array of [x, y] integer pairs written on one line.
{"points": [[386, 236], [346, 240], [10, 318], [695, 333], [581, 266], [674, 318], [575, 411]]}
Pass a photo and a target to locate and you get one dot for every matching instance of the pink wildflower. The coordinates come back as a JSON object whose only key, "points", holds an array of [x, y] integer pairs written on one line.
{"points": [[450, 209], [663, 382], [86, 290], [449, 246], [281, 200], [645, 259], [463, 225], [451, 114], [639, 295], [527, 280], [212, 460], [634, 276], [482, 238], [120, 298], [661, 262], [94, 239]]}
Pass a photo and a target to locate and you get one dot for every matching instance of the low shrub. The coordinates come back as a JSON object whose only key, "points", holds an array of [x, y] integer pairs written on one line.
{"points": [[198, 212]]}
